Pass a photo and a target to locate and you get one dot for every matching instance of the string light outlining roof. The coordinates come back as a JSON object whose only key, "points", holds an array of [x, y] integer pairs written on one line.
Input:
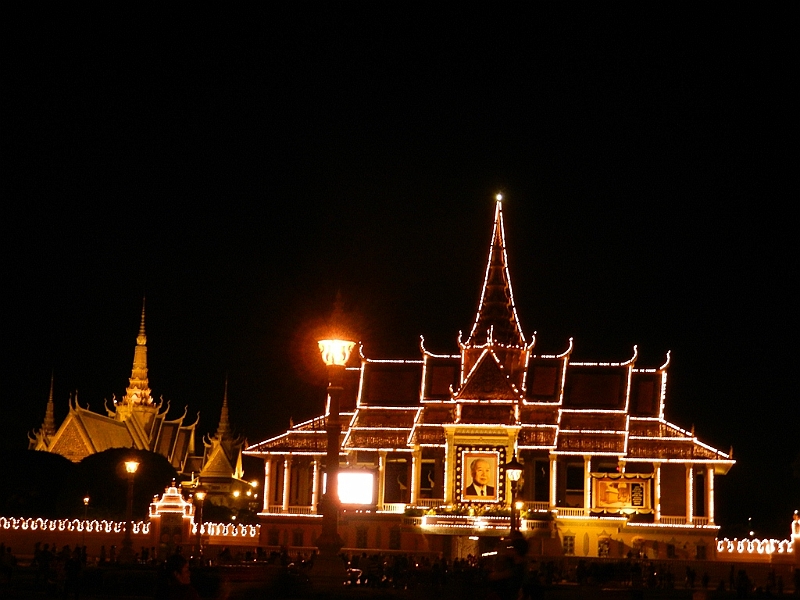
{"points": [[497, 316]]}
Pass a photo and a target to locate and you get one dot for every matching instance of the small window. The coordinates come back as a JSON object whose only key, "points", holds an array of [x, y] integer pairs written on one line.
{"points": [[361, 537], [700, 553], [394, 538], [297, 537], [569, 545], [272, 537], [670, 550]]}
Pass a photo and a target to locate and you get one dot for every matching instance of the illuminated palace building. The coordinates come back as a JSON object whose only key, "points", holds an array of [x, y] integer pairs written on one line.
{"points": [[426, 444]]}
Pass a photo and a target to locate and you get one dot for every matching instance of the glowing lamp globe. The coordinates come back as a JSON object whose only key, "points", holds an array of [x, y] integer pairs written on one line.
{"points": [[335, 352], [131, 466], [200, 494], [513, 469]]}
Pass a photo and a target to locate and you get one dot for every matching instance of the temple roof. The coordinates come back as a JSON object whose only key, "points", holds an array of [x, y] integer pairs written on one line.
{"points": [[308, 437], [391, 383], [496, 388]]}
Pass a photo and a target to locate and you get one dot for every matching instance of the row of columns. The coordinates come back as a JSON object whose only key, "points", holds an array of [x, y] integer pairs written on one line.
{"points": [[690, 492], [271, 480]]}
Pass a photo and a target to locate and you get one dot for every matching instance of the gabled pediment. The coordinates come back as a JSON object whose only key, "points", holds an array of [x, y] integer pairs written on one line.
{"points": [[217, 464], [487, 381], [70, 440]]}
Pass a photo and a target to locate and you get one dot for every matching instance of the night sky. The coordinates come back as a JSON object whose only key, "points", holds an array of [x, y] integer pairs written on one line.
{"points": [[238, 178]]}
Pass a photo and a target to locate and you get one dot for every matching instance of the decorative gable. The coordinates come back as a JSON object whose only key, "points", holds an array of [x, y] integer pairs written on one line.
{"points": [[217, 464], [70, 442], [487, 382]]}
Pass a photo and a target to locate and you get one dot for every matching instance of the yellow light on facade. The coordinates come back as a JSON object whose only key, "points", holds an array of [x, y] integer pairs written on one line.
{"points": [[236, 494], [131, 466], [254, 483], [335, 352]]}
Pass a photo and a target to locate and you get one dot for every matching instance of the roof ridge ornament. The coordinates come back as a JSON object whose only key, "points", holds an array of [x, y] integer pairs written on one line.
{"points": [[496, 309]]}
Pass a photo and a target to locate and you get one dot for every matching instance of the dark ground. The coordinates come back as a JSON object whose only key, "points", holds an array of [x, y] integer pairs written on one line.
{"points": [[276, 582]]}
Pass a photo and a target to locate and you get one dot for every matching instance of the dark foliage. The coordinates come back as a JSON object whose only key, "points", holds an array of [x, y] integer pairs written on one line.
{"points": [[103, 478], [42, 484], [38, 484]]}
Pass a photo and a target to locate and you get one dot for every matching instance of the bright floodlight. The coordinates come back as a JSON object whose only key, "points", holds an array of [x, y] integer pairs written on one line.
{"points": [[335, 352], [355, 487], [131, 466], [499, 197]]}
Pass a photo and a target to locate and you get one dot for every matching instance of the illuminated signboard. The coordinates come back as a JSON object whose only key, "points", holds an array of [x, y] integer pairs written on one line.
{"points": [[355, 487], [618, 492]]}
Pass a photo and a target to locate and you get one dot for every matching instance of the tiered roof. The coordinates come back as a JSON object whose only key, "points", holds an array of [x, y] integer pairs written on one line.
{"points": [[556, 405]]}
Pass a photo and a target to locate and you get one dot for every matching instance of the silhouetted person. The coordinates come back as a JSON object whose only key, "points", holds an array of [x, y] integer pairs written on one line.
{"points": [[510, 569], [175, 580]]}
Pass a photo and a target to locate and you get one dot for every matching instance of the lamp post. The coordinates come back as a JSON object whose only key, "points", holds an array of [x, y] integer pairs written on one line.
{"points": [[199, 496], [126, 554], [329, 569], [85, 511], [514, 472]]}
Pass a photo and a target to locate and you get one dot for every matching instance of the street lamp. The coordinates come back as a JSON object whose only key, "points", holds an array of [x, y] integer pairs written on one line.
{"points": [[514, 472], [85, 510], [329, 567], [199, 496], [126, 554]]}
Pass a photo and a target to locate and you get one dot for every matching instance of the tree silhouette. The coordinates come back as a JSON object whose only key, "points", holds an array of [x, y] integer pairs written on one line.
{"points": [[103, 478], [38, 484]]}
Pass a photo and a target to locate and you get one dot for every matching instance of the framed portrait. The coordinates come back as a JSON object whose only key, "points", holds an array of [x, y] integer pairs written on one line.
{"points": [[621, 492], [480, 476]]}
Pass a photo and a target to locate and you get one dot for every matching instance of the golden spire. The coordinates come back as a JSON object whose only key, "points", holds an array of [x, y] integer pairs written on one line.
{"points": [[224, 428], [49, 425], [497, 317], [138, 391]]}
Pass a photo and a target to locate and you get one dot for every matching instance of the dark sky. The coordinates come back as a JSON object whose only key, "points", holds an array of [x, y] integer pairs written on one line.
{"points": [[239, 177]]}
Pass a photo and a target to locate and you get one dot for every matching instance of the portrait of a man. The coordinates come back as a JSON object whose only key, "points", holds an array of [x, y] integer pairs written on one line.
{"points": [[481, 482]]}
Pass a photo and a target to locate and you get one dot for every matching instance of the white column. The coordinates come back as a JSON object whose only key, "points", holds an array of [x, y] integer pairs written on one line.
{"points": [[287, 481], [449, 471], [267, 482], [657, 491], [416, 474], [587, 484], [553, 482], [381, 478], [710, 494], [689, 492], [315, 485]]}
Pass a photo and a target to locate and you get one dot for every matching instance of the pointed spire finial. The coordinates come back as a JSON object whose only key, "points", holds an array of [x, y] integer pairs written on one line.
{"points": [[49, 425], [224, 428], [496, 310], [141, 339], [138, 391]]}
